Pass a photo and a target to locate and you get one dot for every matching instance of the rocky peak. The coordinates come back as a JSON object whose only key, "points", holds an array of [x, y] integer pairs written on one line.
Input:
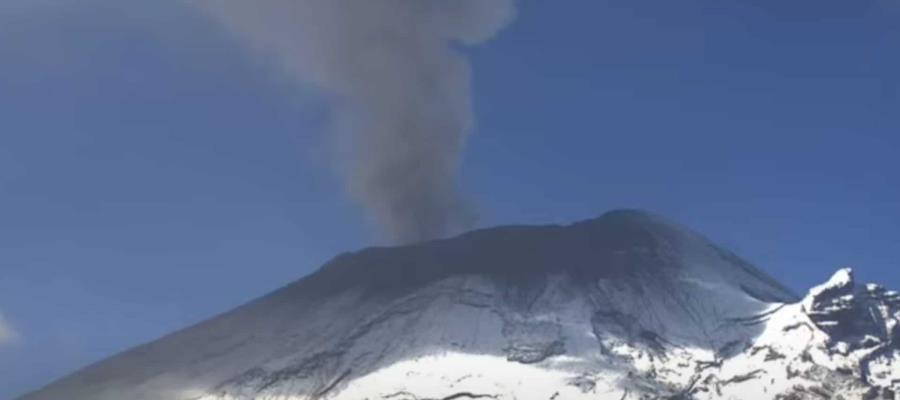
{"points": [[854, 316], [840, 285]]}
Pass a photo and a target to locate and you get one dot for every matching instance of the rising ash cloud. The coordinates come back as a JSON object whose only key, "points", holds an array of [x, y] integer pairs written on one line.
{"points": [[400, 87]]}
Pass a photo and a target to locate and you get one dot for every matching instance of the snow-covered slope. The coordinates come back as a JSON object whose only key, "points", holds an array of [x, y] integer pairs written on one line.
{"points": [[625, 306]]}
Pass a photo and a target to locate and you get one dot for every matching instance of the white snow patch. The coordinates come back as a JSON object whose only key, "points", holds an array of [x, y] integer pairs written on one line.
{"points": [[444, 375]]}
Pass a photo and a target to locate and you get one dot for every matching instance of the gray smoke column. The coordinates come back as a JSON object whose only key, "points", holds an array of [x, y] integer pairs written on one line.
{"points": [[401, 89]]}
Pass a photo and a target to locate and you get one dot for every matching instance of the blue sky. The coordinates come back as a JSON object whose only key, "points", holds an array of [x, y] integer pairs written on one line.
{"points": [[153, 173]]}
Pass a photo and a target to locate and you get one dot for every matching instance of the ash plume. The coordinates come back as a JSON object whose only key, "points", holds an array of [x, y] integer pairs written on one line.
{"points": [[401, 91]]}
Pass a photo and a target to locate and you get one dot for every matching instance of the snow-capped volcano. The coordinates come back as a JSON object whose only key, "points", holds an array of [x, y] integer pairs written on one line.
{"points": [[625, 306]]}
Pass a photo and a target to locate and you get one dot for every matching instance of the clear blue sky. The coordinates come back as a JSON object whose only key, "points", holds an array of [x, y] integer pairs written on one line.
{"points": [[152, 174]]}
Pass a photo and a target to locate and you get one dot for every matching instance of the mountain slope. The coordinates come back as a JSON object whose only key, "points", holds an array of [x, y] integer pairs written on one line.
{"points": [[627, 306]]}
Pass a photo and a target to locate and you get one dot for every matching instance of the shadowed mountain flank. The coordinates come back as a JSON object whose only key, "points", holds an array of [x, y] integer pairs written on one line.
{"points": [[621, 244]]}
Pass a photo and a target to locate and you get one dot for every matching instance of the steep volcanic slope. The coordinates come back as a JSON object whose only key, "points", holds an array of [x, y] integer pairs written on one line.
{"points": [[626, 306]]}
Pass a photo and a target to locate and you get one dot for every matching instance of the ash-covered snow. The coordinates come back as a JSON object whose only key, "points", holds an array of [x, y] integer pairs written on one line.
{"points": [[625, 306]]}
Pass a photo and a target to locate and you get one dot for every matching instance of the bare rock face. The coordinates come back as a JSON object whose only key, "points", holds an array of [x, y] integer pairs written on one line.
{"points": [[625, 306], [861, 320], [852, 351], [858, 317]]}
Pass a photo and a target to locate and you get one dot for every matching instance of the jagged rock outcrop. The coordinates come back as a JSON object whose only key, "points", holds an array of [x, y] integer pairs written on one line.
{"points": [[854, 316], [861, 322]]}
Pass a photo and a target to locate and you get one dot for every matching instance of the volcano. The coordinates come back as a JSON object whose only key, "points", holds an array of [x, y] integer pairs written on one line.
{"points": [[625, 306]]}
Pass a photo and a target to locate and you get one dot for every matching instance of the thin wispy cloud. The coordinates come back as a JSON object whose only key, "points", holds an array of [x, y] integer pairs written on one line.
{"points": [[7, 334]]}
